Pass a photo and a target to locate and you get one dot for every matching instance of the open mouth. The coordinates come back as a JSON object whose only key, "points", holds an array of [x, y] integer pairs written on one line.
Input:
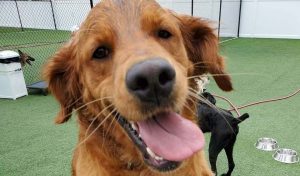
{"points": [[165, 140]]}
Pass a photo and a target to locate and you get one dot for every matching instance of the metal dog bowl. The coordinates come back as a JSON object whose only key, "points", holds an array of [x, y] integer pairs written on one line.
{"points": [[288, 156], [266, 144]]}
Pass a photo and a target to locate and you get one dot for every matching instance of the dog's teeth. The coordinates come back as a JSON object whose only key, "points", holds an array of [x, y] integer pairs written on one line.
{"points": [[133, 126], [158, 158], [140, 137], [150, 152], [153, 155]]}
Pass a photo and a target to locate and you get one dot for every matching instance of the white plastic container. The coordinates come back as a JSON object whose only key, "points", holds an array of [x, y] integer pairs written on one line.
{"points": [[12, 83]]}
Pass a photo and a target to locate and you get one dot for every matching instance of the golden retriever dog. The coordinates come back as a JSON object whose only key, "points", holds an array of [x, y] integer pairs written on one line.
{"points": [[128, 73]]}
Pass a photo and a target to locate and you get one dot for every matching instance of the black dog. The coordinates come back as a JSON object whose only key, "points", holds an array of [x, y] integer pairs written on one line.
{"points": [[223, 127]]}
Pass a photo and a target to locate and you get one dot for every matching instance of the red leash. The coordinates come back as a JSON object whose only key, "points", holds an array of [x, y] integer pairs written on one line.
{"points": [[234, 108]]}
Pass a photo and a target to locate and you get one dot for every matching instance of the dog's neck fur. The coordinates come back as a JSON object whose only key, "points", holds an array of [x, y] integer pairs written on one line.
{"points": [[101, 145], [129, 162]]}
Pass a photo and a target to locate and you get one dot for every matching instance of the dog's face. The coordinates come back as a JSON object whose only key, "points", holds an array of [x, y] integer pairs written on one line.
{"points": [[138, 59]]}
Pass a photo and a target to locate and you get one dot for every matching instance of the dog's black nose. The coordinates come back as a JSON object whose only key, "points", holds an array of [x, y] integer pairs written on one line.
{"points": [[151, 80]]}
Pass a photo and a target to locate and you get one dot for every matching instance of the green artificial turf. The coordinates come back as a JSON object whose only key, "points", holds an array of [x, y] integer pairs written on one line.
{"points": [[17, 29], [15, 36], [30, 142], [261, 68]]}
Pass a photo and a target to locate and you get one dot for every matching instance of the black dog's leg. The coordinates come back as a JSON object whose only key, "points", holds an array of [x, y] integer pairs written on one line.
{"points": [[215, 147], [229, 154]]}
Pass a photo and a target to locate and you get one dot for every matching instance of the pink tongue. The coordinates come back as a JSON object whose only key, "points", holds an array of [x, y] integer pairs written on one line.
{"points": [[171, 136]]}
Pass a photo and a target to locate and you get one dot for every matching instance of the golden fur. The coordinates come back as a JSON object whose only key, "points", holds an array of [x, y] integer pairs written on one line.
{"points": [[128, 28]]}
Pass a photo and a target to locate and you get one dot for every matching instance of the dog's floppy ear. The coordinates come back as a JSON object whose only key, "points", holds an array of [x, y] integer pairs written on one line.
{"points": [[201, 44], [63, 81]]}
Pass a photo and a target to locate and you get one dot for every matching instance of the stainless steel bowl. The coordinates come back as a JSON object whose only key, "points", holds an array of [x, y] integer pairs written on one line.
{"points": [[266, 144], [288, 156]]}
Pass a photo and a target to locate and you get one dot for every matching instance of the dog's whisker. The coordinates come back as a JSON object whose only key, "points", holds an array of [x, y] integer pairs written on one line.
{"points": [[76, 101], [195, 97], [109, 127], [118, 118], [88, 103], [95, 118], [203, 100], [91, 124], [195, 94], [187, 107], [200, 63], [236, 74], [100, 124], [68, 106], [93, 101], [194, 90], [227, 74]]}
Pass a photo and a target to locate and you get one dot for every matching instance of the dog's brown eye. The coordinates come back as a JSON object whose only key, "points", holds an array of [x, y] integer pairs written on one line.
{"points": [[164, 34], [101, 52]]}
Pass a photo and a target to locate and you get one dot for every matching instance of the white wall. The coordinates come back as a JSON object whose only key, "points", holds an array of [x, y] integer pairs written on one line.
{"points": [[36, 14], [230, 18], [260, 18], [209, 9], [39, 14], [271, 19], [70, 13], [180, 6], [8, 14], [33, 14]]}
